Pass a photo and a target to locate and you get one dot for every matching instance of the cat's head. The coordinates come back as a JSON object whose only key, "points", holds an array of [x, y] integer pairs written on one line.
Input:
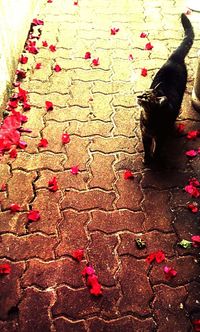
{"points": [[151, 99]]}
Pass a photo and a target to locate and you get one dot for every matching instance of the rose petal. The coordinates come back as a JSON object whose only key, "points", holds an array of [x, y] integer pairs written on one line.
{"points": [[13, 153], [74, 170], [5, 268], [23, 59], [43, 143], [65, 138], [191, 153], [148, 46], [95, 62], [78, 254], [44, 43], [57, 68], [87, 55], [53, 184], [49, 106], [128, 174], [33, 215], [143, 35], [113, 31], [38, 65], [52, 48], [144, 72], [14, 207]]}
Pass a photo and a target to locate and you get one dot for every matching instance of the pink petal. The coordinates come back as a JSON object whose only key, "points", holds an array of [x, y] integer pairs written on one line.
{"points": [[57, 68], [74, 170]]}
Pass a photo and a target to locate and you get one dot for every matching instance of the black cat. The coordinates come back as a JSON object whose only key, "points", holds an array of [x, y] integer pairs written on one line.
{"points": [[162, 102]]}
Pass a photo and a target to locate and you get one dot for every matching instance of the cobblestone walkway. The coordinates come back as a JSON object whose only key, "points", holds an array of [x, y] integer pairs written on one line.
{"points": [[97, 209]]}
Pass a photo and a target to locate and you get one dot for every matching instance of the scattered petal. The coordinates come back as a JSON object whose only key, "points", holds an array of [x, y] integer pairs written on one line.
{"points": [[148, 46], [57, 68], [195, 240], [191, 153], [92, 281], [143, 35], [192, 190], [23, 59], [159, 256], [33, 215], [43, 143], [128, 174], [20, 74], [113, 31], [37, 21], [49, 106], [193, 134], [130, 57], [78, 254], [5, 268], [193, 207], [22, 145], [144, 72], [38, 65], [74, 170], [180, 128], [3, 187], [44, 43], [65, 138], [14, 207], [13, 153], [95, 62], [49, 1], [196, 325], [75, 3], [87, 55], [26, 107], [52, 48], [169, 272], [53, 184]]}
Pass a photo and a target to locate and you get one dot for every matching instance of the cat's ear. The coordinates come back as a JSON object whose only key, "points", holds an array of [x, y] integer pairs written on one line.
{"points": [[162, 100]]}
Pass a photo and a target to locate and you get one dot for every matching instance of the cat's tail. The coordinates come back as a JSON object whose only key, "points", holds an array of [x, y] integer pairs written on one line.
{"points": [[180, 53]]}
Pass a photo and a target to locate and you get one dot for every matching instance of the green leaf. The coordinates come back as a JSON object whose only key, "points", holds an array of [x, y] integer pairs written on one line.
{"points": [[185, 244]]}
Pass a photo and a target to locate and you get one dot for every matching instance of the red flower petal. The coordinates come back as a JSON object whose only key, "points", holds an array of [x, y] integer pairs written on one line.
{"points": [[113, 31], [95, 62], [43, 143], [57, 68], [74, 170], [144, 72], [159, 256], [87, 271], [65, 138], [22, 145], [193, 207], [52, 48], [33, 215], [20, 74], [78, 254], [191, 153], [169, 272], [3, 187], [130, 57], [53, 184], [87, 55], [14, 207], [37, 21], [26, 106], [193, 134], [13, 153], [44, 43], [38, 65], [5, 269], [148, 46], [180, 127], [23, 59], [143, 35], [49, 105], [49, 1], [75, 3], [193, 191], [128, 175], [194, 182], [195, 240], [93, 283]]}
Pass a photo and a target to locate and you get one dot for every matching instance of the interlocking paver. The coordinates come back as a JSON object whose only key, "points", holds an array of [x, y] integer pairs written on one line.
{"points": [[98, 209]]}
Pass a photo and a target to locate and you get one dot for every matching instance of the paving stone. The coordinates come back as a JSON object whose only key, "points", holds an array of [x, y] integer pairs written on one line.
{"points": [[154, 241], [127, 324], [111, 87], [136, 295], [121, 69], [192, 302], [121, 118], [101, 168], [101, 253], [115, 221], [10, 290], [90, 128], [58, 99], [44, 274], [27, 246], [130, 194], [73, 235], [44, 72], [70, 64], [47, 203], [157, 209], [184, 275], [91, 75], [69, 114], [38, 302], [42, 160], [53, 132], [60, 82], [4, 173], [110, 145], [81, 157], [11, 326], [167, 305], [22, 180], [36, 86], [86, 200], [77, 99], [65, 179], [99, 110], [63, 324], [124, 100], [12, 223], [32, 144], [186, 224], [78, 304], [166, 179]]}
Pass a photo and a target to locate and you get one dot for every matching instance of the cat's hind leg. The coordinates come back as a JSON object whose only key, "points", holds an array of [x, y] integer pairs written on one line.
{"points": [[148, 146]]}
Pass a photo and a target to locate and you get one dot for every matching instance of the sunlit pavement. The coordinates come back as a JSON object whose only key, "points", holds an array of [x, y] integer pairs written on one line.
{"points": [[98, 210]]}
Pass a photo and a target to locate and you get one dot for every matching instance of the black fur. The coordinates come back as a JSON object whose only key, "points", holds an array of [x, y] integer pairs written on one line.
{"points": [[161, 103]]}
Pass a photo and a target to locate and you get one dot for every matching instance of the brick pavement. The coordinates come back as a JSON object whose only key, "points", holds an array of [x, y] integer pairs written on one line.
{"points": [[98, 209]]}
